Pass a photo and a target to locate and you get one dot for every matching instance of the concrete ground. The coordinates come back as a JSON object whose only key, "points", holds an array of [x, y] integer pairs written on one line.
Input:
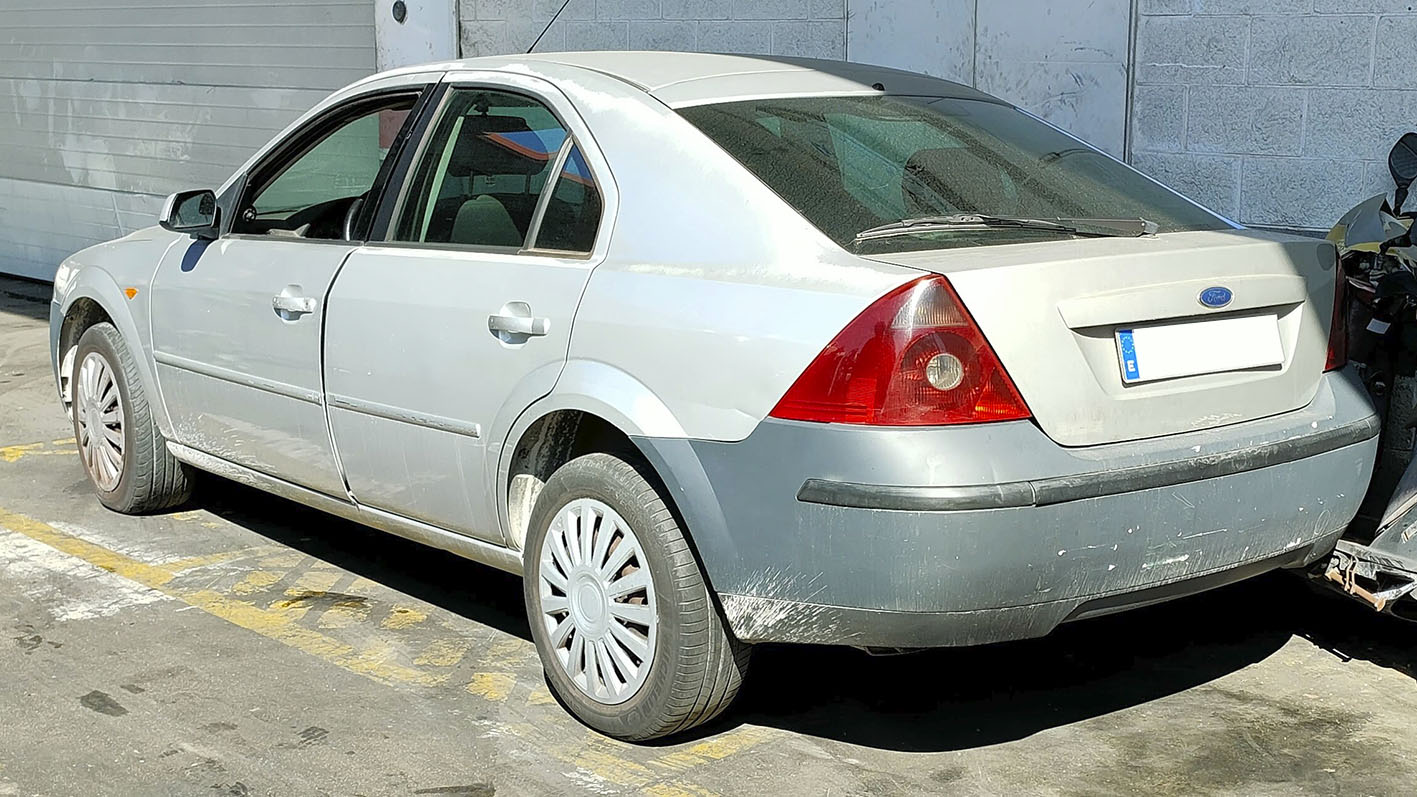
{"points": [[245, 645]]}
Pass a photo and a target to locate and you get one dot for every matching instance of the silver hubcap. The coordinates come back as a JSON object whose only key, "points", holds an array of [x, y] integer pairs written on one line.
{"points": [[597, 601], [99, 410]]}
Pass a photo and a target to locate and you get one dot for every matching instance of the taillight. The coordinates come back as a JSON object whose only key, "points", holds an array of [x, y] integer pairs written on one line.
{"points": [[1338, 327], [914, 358]]}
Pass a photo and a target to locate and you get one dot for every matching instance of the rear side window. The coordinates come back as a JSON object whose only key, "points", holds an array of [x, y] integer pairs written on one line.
{"points": [[573, 210], [852, 163], [484, 176]]}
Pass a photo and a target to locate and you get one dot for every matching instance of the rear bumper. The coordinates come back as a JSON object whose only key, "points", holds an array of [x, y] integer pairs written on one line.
{"points": [[933, 537], [1094, 484]]}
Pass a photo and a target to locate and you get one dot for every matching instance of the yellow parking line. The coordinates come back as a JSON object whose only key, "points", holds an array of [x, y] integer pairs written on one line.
{"points": [[276, 624], [444, 652], [13, 453], [207, 560], [257, 581], [595, 756], [402, 617], [112, 561], [313, 582], [344, 613], [16, 453], [492, 685], [715, 749]]}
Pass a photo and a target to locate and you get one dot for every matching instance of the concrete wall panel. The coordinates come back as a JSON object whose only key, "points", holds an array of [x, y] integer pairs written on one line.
{"points": [[931, 36], [102, 111], [807, 28]]}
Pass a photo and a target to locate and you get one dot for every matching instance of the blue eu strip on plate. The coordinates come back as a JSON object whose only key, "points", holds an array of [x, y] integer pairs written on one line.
{"points": [[1129, 356]]}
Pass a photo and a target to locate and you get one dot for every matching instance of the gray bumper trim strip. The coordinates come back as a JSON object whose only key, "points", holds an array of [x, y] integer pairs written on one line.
{"points": [[1060, 489]]}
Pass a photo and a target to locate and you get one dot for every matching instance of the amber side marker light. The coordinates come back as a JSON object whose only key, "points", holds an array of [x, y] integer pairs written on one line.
{"points": [[130, 292]]}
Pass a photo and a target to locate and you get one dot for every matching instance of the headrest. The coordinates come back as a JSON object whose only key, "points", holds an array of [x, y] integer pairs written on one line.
{"points": [[957, 175], [497, 145]]}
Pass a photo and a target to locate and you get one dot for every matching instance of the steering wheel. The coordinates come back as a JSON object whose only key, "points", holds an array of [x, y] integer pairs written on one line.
{"points": [[351, 217]]}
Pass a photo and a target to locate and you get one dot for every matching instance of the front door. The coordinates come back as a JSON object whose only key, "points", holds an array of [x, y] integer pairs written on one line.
{"points": [[238, 321], [463, 316]]}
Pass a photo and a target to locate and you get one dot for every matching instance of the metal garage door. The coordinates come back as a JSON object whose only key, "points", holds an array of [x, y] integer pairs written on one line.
{"points": [[108, 105]]}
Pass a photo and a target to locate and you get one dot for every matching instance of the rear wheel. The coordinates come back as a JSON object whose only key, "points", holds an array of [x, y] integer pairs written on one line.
{"points": [[122, 451], [625, 625]]}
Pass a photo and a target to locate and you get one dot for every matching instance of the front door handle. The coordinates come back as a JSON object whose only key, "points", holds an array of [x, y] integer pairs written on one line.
{"points": [[516, 321], [293, 305]]}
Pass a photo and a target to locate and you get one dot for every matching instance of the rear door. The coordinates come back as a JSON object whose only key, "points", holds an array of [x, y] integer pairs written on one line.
{"points": [[461, 317], [237, 322]]}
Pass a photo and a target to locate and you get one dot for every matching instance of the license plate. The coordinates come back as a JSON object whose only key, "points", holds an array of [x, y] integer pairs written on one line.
{"points": [[1167, 351]]}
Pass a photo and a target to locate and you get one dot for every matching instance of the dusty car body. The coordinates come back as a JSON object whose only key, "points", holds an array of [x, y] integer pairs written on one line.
{"points": [[434, 388]]}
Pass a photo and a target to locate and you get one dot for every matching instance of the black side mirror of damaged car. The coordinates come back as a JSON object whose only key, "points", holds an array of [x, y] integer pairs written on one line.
{"points": [[194, 213]]}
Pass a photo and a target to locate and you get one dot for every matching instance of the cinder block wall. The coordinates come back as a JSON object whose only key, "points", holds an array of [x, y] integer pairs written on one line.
{"points": [[1065, 62], [1275, 112]]}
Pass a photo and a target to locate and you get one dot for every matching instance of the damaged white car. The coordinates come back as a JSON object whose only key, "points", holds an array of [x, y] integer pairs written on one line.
{"points": [[720, 350]]}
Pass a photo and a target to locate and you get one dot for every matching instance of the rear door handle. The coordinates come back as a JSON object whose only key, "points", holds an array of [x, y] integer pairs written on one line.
{"points": [[515, 321], [293, 305]]}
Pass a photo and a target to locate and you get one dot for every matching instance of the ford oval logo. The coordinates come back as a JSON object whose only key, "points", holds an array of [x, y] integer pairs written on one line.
{"points": [[1216, 297]]}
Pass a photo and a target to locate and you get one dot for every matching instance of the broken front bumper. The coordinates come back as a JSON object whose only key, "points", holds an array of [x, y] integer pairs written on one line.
{"points": [[932, 537]]}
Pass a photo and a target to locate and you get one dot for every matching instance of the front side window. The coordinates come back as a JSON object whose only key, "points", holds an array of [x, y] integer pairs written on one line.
{"points": [[479, 181], [849, 164], [309, 193]]}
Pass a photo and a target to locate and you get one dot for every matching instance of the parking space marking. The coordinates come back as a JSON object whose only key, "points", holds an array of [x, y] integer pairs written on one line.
{"points": [[492, 685], [207, 560], [594, 759], [257, 581], [715, 749], [14, 453], [401, 617], [278, 624], [444, 652]]}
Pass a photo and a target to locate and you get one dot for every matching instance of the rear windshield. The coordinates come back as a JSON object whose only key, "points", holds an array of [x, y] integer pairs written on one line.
{"points": [[852, 163]]}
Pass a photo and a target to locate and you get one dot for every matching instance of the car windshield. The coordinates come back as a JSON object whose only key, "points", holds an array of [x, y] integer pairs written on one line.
{"points": [[851, 164]]}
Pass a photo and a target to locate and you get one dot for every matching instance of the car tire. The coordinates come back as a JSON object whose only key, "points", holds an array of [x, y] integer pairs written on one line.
{"points": [[144, 477], [693, 667]]}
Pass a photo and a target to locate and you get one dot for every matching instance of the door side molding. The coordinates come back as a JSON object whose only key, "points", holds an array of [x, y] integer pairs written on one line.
{"points": [[247, 380]]}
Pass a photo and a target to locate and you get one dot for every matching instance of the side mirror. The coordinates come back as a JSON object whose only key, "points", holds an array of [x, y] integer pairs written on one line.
{"points": [[192, 212], [1402, 162]]}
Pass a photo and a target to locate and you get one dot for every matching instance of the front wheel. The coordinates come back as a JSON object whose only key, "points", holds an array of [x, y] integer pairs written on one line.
{"points": [[623, 621], [123, 452]]}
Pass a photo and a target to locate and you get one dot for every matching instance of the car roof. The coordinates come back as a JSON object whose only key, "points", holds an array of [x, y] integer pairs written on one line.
{"points": [[682, 79]]}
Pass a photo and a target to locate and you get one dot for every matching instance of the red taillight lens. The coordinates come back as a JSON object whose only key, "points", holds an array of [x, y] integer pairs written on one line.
{"points": [[1338, 327], [914, 358]]}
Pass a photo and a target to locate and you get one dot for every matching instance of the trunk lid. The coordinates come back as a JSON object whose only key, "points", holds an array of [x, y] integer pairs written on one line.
{"points": [[1052, 311]]}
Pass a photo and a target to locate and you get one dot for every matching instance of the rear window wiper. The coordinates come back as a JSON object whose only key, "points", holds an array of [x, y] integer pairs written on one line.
{"points": [[1104, 228]]}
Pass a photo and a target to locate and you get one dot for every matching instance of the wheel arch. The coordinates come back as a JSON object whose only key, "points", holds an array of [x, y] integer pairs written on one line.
{"points": [[617, 414], [93, 298]]}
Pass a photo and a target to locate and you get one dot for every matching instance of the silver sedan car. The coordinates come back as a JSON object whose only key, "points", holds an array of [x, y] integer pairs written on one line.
{"points": [[721, 350]]}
